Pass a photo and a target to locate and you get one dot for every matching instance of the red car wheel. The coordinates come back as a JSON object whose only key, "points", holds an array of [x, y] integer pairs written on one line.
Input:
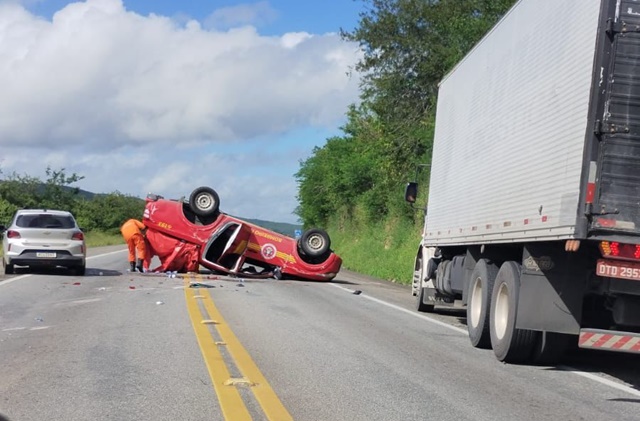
{"points": [[315, 242], [204, 201]]}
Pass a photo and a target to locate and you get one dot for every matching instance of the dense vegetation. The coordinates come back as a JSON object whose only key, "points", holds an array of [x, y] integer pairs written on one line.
{"points": [[353, 185], [102, 213]]}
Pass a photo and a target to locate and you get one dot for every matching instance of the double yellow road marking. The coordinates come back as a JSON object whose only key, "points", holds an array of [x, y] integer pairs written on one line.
{"points": [[231, 403]]}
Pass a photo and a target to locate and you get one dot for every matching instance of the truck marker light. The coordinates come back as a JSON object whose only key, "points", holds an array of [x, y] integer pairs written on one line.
{"points": [[591, 192], [572, 245], [615, 249], [591, 183], [620, 250], [609, 249], [606, 223], [614, 223]]}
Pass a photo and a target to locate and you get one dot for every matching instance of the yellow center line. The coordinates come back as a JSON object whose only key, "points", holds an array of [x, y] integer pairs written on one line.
{"points": [[231, 404], [266, 397]]}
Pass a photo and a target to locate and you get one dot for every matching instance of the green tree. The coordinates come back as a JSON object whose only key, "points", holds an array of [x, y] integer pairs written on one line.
{"points": [[107, 212], [57, 192], [17, 192], [408, 46]]}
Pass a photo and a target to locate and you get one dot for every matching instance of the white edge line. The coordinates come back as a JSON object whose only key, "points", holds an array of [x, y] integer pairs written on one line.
{"points": [[404, 310], [601, 380], [106, 254], [586, 375], [17, 278]]}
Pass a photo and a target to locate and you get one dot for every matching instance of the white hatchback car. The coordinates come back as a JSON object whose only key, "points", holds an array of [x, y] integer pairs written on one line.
{"points": [[43, 238]]}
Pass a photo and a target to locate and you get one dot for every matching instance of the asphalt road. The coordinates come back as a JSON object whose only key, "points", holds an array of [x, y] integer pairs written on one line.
{"points": [[119, 346]]}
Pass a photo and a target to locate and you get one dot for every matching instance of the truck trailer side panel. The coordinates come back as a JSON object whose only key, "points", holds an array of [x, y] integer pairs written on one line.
{"points": [[511, 129]]}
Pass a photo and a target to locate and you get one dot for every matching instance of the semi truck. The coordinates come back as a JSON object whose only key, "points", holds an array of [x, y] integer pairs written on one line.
{"points": [[532, 217]]}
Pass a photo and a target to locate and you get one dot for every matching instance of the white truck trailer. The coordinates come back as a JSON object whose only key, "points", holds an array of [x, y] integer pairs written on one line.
{"points": [[533, 210]]}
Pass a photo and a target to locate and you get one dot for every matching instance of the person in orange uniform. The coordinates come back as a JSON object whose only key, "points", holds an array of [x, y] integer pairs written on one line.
{"points": [[132, 233]]}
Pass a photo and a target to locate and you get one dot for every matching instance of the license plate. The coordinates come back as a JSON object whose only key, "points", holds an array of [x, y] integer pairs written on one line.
{"points": [[45, 254], [621, 270]]}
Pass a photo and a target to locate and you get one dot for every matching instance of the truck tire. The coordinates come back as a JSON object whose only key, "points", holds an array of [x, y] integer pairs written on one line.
{"points": [[204, 201], [510, 345], [420, 273], [551, 347], [479, 303]]}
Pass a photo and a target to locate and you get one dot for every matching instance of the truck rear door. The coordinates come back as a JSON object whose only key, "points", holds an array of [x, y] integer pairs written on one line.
{"points": [[615, 192]]}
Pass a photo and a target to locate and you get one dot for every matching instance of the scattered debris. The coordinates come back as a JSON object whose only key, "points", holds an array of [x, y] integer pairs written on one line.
{"points": [[39, 319], [102, 289], [132, 287], [200, 285], [159, 303], [76, 283], [240, 285], [357, 292]]}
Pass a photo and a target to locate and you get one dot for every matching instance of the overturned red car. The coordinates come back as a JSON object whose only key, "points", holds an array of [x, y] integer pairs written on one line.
{"points": [[185, 234]]}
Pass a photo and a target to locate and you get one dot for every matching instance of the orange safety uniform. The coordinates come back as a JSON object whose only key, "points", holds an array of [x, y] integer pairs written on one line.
{"points": [[131, 231]]}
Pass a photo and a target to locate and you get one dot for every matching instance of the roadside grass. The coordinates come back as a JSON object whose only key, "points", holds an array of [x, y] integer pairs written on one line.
{"points": [[99, 239], [385, 250]]}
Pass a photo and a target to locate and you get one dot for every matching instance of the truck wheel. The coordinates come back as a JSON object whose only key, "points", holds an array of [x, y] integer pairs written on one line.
{"points": [[204, 201], [479, 303], [551, 347], [510, 344], [315, 242]]}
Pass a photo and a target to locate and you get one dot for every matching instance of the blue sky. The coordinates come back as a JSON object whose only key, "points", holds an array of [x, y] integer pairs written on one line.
{"points": [[314, 16], [165, 96]]}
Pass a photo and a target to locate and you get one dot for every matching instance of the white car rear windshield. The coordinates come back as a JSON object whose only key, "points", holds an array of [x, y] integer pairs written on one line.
{"points": [[45, 221]]}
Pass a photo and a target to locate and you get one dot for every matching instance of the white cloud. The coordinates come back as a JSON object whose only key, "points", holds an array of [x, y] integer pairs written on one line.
{"points": [[98, 74], [134, 102]]}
